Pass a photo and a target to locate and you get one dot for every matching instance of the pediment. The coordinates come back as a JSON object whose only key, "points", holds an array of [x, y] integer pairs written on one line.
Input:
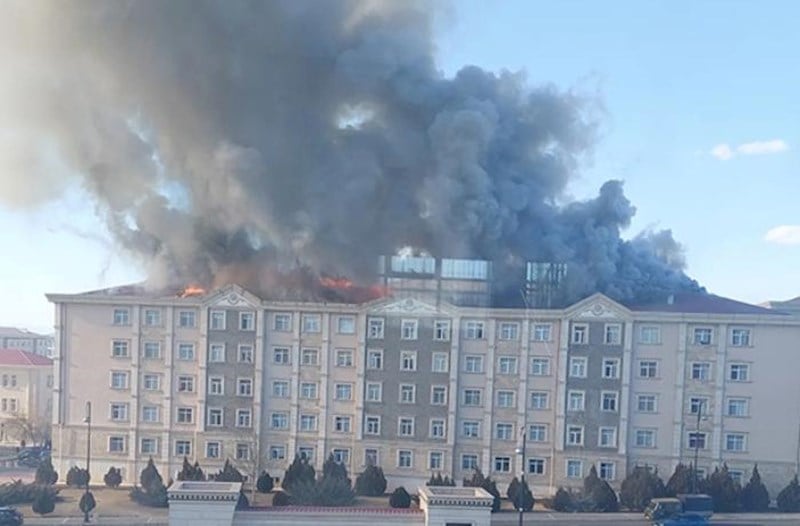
{"points": [[233, 296], [408, 306], [598, 307]]}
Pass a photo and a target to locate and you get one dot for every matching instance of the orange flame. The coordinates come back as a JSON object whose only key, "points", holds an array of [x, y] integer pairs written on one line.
{"points": [[191, 291], [352, 291]]}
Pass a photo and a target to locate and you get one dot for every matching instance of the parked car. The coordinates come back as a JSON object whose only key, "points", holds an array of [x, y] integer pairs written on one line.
{"points": [[685, 509], [10, 516]]}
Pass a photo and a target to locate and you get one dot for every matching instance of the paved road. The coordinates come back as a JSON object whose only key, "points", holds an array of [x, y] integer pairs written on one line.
{"points": [[630, 519]]}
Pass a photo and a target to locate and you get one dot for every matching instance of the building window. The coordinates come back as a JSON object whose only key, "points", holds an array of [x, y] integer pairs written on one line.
{"points": [[472, 397], [244, 418], [119, 412], [308, 423], [575, 435], [736, 442], [341, 424], [504, 431], [408, 329], [405, 458], [311, 323], [374, 392], [370, 457], [646, 403], [148, 446], [701, 371], [540, 367], [469, 462], [437, 428], [408, 360], [279, 421], [277, 452], [470, 429], [607, 437], [648, 369], [473, 364], [539, 400], [542, 332], [375, 360], [186, 351], [122, 317], [341, 456], [116, 444], [697, 440], [441, 330], [183, 448], [119, 380], [150, 414], [308, 390], [152, 317], [507, 365], [245, 354], [282, 322], [119, 348], [612, 334], [216, 353], [408, 393], [506, 399], [536, 466], [607, 470], [216, 385], [576, 401], [215, 418], [698, 404], [346, 325], [740, 337], [649, 335], [580, 334], [344, 358], [187, 319], [574, 469], [611, 368], [309, 357], [372, 425], [537, 433], [151, 350], [577, 367], [702, 336], [213, 450], [435, 460], [509, 331], [280, 389], [739, 372], [280, 356], [185, 384], [242, 451], [608, 401], [438, 395], [440, 362], [473, 330], [738, 407], [502, 464], [645, 438], [185, 415], [247, 321], [375, 327], [244, 387], [343, 391], [217, 320]]}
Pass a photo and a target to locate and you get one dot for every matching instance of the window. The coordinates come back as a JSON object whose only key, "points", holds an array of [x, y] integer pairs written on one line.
{"points": [[540, 367], [280, 389], [151, 350], [536, 466], [245, 354], [701, 371], [698, 404], [311, 323], [435, 460], [646, 403], [216, 353], [438, 395], [122, 317], [506, 399], [277, 452], [344, 358], [580, 334], [185, 415], [244, 417], [242, 451], [185, 384], [537, 433], [341, 456], [504, 431], [370, 457], [441, 330], [440, 362], [341, 424], [119, 412], [346, 325], [473, 364], [507, 365], [612, 334], [577, 367], [437, 428], [244, 387], [152, 317], [183, 448], [649, 335], [648, 369], [405, 458], [645, 438], [308, 422], [607, 470], [116, 444], [343, 391], [702, 336], [119, 348], [697, 440], [470, 429], [186, 351], [739, 372], [735, 442], [610, 368], [148, 446], [408, 393], [576, 401], [215, 418], [408, 329], [607, 437], [509, 331], [217, 320], [374, 392], [247, 321], [408, 360], [740, 337], [542, 332], [539, 400], [375, 327], [119, 380], [308, 390], [150, 414], [574, 469], [282, 322], [374, 359], [575, 435], [216, 385], [502, 464], [737, 476], [372, 425], [473, 330], [472, 397], [213, 450], [737, 407], [280, 356], [279, 421], [309, 357], [187, 319], [608, 401], [469, 462]]}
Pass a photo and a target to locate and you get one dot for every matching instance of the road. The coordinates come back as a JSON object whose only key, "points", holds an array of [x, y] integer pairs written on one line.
{"points": [[630, 519]]}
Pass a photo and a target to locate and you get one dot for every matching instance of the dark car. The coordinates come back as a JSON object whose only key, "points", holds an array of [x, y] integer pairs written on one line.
{"points": [[9, 516]]}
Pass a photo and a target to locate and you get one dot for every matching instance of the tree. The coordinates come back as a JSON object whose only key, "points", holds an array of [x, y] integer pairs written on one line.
{"points": [[150, 475], [524, 497], [45, 473], [113, 478], [28, 429], [87, 503], [264, 483], [77, 477], [152, 491], [639, 487], [562, 500], [228, 473], [191, 471], [299, 471], [789, 497], [755, 496], [478, 480], [512, 490], [599, 494], [723, 489], [400, 498], [44, 503], [334, 470], [371, 482], [681, 480], [281, 498]]}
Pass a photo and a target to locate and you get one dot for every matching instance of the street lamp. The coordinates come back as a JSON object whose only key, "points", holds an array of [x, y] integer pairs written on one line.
{"points": [[88, 420], [520, 492]]}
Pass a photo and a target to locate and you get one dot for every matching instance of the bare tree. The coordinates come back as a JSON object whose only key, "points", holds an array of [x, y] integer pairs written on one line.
{"points": [[32, 430]]}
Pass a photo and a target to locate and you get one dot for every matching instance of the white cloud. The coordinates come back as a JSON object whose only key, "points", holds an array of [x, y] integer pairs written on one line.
{"points": [[784, 235], [724, 152]]}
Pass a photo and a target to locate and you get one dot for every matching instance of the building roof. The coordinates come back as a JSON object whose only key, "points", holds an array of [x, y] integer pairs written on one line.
{"points": [[16, 357], [699, 303], [13, 332]]}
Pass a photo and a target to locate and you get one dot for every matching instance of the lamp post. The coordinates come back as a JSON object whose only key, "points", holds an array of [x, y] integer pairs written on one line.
{"points": [[88, 420], [696, 445], [520, 493]]}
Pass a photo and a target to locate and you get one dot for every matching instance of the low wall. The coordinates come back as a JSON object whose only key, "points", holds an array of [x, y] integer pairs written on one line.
{"points": [[313, 516]]}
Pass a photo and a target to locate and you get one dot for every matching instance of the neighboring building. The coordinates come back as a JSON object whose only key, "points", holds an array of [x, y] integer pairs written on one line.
{"points": [[26, 401], [791, 306], [423, 387], [23, 339]]}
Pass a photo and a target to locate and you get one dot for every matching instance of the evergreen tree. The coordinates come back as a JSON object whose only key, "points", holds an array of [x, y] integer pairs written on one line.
{"points": [[371, 482], [681, 480], [229, 473], [150, 475], [562, 500], [400, 498], [264, 482], [789, 497], [334, 491], [77, 477], [45, 473], [523, 497], [152, 491], [512, 490], [281, 498], [600, 495], [87, 503], [478, 480], [191, 471], [113, 477], [723, 489], [755, 496], [44, 503], [299, 471], [334, 470], [639, 487]]}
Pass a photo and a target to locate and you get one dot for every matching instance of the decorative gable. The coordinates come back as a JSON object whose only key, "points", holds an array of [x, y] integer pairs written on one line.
{"points": [[408, 306], [233, 296], [598, 307]]}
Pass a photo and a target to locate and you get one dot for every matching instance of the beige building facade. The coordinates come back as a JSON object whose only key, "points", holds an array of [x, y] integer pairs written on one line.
{"points": [[422, 387], [26, 385]]}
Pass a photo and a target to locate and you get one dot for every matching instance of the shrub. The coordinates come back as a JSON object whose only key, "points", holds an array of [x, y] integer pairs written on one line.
{"points": [[333, 469], [598, 494], [478, 480], [681, 480], [512, 490], [639, 487], [44, 503], [77, 477], [191, 472], [789, 497], [243, 503], [723, 489], [264, 482], [152, 493], [281, 499], [562, 500], [371, 482], [229, 473], [755, 496], [87, 503], [17, 492], [113, 478], [45, 473], [523, 496], [299, 471], [400, 498]]}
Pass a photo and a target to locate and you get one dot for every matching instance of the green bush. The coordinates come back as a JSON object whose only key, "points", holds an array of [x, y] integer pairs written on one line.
{"points": [[264, 482], [281, 498], [755, 496], [598, 494], [478, 480], [152, 492], [17, 492], [371, 482], [438, 480], [789, 497], [229, 473], [639, 487], [44, 503], [400, 498], [87, 502], [77, 477], [299, 471], [681, 480], [562, 500], [191, 472], [45, 473], [723, 489], [113, 478]]}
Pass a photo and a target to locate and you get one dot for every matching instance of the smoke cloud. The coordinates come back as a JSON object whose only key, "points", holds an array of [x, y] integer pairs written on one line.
{"points": [[220, 138]]}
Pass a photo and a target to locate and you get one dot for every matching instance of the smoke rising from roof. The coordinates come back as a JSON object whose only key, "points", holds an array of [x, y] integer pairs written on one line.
{"points": [[219, 137]]}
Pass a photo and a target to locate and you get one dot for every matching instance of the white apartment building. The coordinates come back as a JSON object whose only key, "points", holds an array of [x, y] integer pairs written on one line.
{"points": [[421, 387], [26, 386]]}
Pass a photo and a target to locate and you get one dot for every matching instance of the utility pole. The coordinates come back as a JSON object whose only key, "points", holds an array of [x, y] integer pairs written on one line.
{"points": [[520, 493], [88, 420]]}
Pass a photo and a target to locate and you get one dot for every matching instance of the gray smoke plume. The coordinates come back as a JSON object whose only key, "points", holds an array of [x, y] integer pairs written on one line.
{"points": [[220, 138]]}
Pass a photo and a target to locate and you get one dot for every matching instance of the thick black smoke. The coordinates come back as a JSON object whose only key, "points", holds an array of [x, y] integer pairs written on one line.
{"points": [[220, 137]]}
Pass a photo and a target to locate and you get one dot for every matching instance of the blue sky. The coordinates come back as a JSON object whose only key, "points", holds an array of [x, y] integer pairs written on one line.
{"points": [[701, 113]]}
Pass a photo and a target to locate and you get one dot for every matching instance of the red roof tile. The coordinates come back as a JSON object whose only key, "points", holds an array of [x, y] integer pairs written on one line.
{"points": [[23, 358]]}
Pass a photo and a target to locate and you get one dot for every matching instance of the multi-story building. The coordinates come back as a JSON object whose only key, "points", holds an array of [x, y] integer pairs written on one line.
{"points": [[25, 340], [26, 386], [420, 386]]}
